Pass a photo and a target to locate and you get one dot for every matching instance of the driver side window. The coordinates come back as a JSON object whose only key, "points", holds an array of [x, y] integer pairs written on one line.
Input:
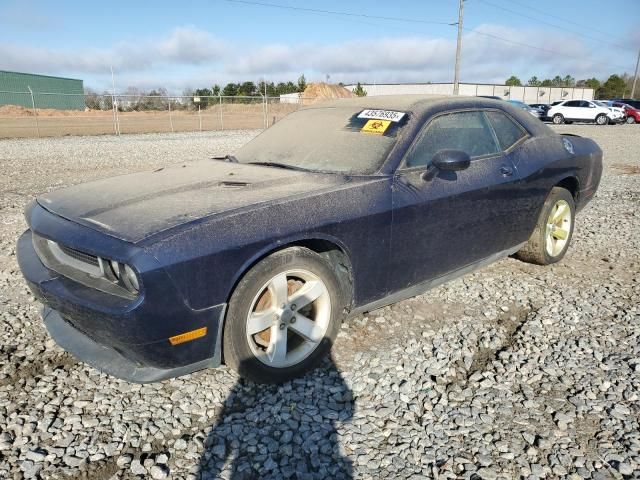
{"points": [[466, 131]]}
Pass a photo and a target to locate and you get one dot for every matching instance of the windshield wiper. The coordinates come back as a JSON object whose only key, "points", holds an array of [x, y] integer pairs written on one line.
{"points": [[279, 165], [226, 158]]}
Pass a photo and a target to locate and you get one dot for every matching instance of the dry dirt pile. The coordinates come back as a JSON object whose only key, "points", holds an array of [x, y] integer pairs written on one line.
{"points": [[324, 90]]}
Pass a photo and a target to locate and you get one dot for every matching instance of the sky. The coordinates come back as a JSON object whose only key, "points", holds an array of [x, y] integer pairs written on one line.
{"points": [[184, 45]]}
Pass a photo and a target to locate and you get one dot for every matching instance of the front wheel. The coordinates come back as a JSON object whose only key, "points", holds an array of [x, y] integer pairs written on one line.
{"points": [[552, 235], [630, 120], [602, 119], [283, 316], [558, 119]]}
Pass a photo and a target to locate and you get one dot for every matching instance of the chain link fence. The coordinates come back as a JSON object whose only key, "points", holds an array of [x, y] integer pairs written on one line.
{"points": [[36, 114]]}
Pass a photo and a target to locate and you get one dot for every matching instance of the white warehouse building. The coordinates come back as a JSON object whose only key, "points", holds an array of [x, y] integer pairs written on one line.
{"points": [[524, 94]]}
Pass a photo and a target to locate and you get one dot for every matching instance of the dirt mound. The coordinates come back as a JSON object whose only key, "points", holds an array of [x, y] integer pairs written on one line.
{"points": [[323, 91], [15, 111]]}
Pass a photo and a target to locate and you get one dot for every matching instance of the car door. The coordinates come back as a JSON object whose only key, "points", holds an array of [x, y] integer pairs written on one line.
{"points": [[572, 110], [443, 221], [588, 111]]}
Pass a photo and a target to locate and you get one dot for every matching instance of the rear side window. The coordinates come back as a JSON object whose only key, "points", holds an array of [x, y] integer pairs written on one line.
{"points": [[572, 103], [466, 131], [508, 132]]}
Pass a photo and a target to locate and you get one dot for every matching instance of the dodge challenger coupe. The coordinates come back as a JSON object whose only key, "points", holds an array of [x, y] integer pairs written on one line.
{"points": [[338, 209]]}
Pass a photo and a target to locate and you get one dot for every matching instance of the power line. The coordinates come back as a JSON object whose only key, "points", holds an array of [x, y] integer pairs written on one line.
{"points": [[345, 14], [546, 50], [414, 20], [542, 12], [559, 27]]}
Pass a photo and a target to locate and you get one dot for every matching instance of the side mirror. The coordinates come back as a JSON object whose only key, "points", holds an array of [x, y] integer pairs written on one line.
{"points": [[451, 160]]}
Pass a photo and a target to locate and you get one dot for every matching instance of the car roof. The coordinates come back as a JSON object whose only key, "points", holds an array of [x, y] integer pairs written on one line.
{"points": [[422, 106]]}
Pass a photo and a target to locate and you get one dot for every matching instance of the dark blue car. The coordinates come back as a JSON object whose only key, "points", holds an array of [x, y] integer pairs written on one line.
{"points": [[254, 259]]}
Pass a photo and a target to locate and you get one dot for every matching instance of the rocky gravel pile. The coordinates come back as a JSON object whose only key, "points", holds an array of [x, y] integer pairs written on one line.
{"points": [[516, 371]]}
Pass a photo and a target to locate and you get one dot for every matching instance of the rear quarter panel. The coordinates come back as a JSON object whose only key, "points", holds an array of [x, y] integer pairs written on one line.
{"points": [[542, 163]]}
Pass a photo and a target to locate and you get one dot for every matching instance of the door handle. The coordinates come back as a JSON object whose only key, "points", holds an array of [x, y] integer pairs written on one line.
{"points": [[506, 171]]}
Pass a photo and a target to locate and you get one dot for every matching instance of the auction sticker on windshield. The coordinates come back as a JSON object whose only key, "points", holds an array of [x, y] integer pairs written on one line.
{"points": [[389, 115], [376, 126]]}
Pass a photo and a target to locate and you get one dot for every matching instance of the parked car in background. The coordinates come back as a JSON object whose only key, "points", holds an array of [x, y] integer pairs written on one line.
{"points": [[629, 101], [533, 111], [633, 114], [543, 108], [339, 209], [618, 113], [580, 111]]}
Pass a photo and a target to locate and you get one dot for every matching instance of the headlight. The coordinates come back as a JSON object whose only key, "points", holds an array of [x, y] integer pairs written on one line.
{"points": [[131, 280], [125, 276]]}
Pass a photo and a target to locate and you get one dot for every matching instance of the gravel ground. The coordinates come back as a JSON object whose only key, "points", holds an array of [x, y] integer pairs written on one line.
{"points": [[516, 371]]}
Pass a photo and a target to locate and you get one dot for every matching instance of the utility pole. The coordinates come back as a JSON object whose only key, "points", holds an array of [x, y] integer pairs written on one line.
{"points": [[635, 77], [456, 77]]}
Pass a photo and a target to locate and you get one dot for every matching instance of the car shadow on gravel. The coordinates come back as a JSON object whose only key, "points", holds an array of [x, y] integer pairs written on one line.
{"points": [[281, 431]]}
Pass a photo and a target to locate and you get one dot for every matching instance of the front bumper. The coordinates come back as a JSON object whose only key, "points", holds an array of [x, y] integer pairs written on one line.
{"points": [[107, 359], [124, 338]]}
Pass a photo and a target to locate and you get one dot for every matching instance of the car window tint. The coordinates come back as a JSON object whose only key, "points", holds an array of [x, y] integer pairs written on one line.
{"points": [[466, 131], [584, 103], [507, 131], [572, 103]]}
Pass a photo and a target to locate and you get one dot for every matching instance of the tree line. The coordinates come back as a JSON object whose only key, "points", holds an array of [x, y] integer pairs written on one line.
{"points": [[133, 98], [614, 86]]}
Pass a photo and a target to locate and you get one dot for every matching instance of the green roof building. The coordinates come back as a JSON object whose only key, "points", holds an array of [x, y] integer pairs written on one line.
{"points": [[48, 92]]}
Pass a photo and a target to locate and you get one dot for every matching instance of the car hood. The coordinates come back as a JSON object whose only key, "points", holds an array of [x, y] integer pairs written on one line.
{"points": [[135, 206]]}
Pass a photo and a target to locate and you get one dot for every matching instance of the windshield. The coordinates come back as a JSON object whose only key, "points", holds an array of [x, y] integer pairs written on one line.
{"points": [[329, 139]]}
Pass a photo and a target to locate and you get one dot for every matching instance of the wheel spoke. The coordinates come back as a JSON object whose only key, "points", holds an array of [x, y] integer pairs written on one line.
{"points": [[550, 245], [279, 290], [307, 328], [560, 234], [309, 292], [560, 212], [259, 321], [277, 350]]}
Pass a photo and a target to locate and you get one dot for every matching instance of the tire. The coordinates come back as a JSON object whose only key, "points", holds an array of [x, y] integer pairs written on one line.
{"points": [[546, 245], [630, 120], [602, 119], [558, 119], [257, 302]]}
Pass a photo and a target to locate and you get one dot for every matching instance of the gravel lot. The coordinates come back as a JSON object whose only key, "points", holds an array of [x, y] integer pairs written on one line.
{"points": [[515, 371]]}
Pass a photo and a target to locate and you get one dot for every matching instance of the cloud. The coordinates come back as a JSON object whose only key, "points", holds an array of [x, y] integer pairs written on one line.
{"points": [[183, 46], [191, 57], [485, 58]]}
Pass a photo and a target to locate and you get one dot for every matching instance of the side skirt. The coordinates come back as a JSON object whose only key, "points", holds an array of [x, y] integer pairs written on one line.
{"points": [[428, 285]]}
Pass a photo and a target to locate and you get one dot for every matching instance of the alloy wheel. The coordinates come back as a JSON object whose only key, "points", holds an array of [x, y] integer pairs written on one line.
{"points": [[288, 318], [558, 228]]}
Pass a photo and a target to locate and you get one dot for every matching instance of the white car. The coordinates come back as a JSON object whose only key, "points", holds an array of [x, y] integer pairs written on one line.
{"points": [[580, 111], [619, 113]]}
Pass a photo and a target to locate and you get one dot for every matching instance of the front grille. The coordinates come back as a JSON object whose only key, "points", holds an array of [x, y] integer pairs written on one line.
{"points": [[80, 256]]}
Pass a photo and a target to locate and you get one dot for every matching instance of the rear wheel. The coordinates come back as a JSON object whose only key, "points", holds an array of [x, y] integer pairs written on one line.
{"points": [[630, 120], [552, 235], [283, 316], [602, 119], [558, 119]]}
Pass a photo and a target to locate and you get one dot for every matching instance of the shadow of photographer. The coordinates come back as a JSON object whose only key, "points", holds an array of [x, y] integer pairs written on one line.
{"points": [[281, 431]]}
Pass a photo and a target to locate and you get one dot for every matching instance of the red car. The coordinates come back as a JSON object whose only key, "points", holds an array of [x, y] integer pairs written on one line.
{"points": [[633, 114]]}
